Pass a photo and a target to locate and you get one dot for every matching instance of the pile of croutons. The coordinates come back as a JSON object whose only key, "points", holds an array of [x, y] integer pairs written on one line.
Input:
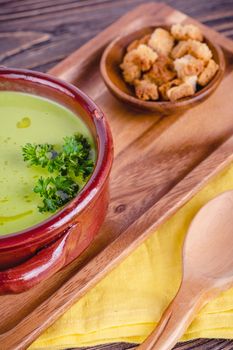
{"points": [[167, 65]]}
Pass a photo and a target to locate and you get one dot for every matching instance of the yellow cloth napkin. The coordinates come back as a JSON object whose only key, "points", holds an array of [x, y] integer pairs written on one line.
{"points": [[128, 303]]}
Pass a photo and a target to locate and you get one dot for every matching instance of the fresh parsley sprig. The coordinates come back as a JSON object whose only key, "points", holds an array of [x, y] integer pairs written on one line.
{"points": [[76, 157], [38, 154], [73, 159], [55, 192], [72, 163]]}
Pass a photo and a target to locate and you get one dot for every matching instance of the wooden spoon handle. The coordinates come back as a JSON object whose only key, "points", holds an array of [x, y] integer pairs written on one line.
{"points": [[175, 320]]}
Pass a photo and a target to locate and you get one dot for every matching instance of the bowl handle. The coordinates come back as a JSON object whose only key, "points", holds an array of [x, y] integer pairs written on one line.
{"points": [[42, 265]]}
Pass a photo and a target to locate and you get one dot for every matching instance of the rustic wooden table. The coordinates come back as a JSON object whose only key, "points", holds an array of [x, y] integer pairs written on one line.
{"points": [[37, 34]]}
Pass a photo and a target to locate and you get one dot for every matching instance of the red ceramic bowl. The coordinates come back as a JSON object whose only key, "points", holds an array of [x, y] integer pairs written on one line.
{"points": [[32, 255]]}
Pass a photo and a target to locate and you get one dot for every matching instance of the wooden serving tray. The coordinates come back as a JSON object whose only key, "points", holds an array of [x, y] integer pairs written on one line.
{"points": [[160, 163]]}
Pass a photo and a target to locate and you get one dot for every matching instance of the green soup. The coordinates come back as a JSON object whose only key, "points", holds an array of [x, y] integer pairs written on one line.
{"points": [[26, 118]]}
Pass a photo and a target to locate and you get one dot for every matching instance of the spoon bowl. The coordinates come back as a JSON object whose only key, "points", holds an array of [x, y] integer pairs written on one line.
{"points": [[208, 247], [207, 270]]}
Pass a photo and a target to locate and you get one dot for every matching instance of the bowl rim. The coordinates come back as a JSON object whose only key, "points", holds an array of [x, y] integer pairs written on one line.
{"points": [[63, 217], [153, 104]]}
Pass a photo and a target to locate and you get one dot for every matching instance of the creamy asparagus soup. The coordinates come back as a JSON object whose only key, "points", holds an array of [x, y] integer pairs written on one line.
{"points": [[46, 156]]}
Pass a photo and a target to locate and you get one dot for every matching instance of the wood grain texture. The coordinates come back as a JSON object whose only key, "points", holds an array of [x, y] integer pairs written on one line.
{"points": [[75, 22], [44, 27]]}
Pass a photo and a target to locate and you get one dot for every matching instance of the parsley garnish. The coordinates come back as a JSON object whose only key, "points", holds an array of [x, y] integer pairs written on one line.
{"points": [[38, 154], [71, 164], [55, 192]]}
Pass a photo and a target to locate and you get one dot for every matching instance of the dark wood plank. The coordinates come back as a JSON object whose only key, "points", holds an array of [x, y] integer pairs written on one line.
{"points": [[113, 346], [199, 344], [75, 22], [33, 33]]}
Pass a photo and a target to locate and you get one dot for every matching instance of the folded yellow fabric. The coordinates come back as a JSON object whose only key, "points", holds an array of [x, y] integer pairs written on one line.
{"points": [[128, 303]]}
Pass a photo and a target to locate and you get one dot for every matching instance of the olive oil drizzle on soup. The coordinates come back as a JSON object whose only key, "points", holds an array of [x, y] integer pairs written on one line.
{"points": [[26, 118]]}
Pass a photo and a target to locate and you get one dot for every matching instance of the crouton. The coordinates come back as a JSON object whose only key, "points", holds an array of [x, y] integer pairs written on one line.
{"points": [[161, 41], [200, 50], [188, 65], [186, 31], [192, 80], [161, 72], [208, 73], [169, 65], [180, 91], [163, 89], [143, 56], [181, 49], [146, 90], [130, 72]]}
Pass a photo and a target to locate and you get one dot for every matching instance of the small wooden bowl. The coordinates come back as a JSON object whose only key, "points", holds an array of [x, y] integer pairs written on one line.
{"points": [[112, 75]]}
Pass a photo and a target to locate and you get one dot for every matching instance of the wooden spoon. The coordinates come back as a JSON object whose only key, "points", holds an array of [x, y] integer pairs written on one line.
{"points": [[207, 270]]}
